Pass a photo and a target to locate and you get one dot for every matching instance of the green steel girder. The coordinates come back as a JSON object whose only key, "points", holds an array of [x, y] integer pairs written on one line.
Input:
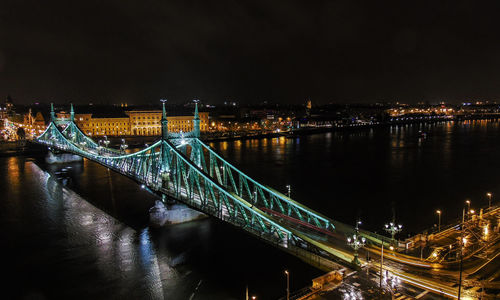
{"points": [[262, 196], [190, 183]]}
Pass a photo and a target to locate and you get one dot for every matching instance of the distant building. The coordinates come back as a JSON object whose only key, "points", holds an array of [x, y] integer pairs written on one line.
{"points": [[134, 122], [9, 106], [33, 125], [147, 122], [308, 107]]}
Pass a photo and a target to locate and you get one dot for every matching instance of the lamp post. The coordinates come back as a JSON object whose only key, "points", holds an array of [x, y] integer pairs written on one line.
{"points": [[468, 206], [489, 199], [289, 190], [439, 219], [381, 263], [356, 242], [392, 228], [463, 241], [287, 285]]}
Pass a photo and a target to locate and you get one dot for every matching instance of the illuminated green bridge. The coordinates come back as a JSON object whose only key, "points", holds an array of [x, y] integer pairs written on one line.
{"points": [[182, 167]]}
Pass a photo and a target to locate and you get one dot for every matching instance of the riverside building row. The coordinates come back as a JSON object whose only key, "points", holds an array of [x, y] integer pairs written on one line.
{"points": [[137, 122]]}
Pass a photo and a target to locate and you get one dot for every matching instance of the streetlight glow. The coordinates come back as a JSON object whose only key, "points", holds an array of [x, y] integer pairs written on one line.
{"points": [[287, 285], [392, 228], [356, 242], [439, 219]]}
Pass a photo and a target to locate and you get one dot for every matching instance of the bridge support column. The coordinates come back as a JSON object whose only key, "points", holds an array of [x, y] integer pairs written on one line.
{"points": [[53, 157], [163, 214]]}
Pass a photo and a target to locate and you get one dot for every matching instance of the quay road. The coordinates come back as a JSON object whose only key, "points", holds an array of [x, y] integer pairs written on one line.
{"points": [[433, 273]]}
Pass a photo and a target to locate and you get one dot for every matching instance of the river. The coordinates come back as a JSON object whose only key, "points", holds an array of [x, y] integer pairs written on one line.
{"points": [[81, 231]]}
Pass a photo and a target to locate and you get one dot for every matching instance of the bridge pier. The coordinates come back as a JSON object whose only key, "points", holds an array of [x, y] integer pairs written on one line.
{"points": [[54, 157], [164, 214]]}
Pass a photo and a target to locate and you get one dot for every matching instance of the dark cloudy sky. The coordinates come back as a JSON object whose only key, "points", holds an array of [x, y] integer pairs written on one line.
{"points": [[249, 51]]}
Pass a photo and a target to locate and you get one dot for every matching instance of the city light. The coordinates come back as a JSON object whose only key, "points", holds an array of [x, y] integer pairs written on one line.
{"points": [[356, 242], [393, 229], [439, 219]]}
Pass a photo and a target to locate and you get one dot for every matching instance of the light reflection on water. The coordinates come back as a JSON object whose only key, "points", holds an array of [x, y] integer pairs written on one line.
{"points": [[84, 231], [83, 251], [365, 173], [113, 242]]}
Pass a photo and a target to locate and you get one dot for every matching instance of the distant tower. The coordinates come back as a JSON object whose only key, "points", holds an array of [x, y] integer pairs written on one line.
{"points": [[308, 107], [196, 121], [9, 105], [164, 122]]}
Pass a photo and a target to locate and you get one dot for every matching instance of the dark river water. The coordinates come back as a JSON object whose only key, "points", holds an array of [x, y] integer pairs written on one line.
{"points": [[81, 231]]}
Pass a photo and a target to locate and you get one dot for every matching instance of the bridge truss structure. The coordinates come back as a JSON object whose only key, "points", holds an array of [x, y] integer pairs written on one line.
{"points": [[182, 167]]}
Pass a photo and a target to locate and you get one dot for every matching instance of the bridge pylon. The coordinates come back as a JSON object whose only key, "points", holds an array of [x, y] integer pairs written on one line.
{"points": [[196, 120], [164, 121], [72, 113], [52, 113]]}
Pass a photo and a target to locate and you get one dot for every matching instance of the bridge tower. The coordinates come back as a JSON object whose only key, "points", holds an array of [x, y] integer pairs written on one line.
{"points": [[164, 122], [196, 121], [165, 172], [72, 131], [72, 114], [197, 151], [52, 113]]}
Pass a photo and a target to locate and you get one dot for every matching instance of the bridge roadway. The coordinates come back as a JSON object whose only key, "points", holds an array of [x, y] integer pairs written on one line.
{"points": [[313, 243]]}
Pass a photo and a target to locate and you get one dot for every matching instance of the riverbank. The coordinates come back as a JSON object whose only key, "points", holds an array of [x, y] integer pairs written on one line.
{"points": [[17, 148], [25, 147]]}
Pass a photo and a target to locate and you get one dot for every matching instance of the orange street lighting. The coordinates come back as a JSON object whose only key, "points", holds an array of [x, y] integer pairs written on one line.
{"points": [[439, 219], [287, 285]]}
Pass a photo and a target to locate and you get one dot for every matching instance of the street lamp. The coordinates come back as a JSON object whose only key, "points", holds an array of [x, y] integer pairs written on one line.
{"points": [[287, 285], [439, 217], [289, 190], [356, 242], [392, 228], [489, 199], [468, 206]]}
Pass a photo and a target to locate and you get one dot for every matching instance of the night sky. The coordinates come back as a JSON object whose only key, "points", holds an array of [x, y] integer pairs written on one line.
{"points": [[248, 51]]}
